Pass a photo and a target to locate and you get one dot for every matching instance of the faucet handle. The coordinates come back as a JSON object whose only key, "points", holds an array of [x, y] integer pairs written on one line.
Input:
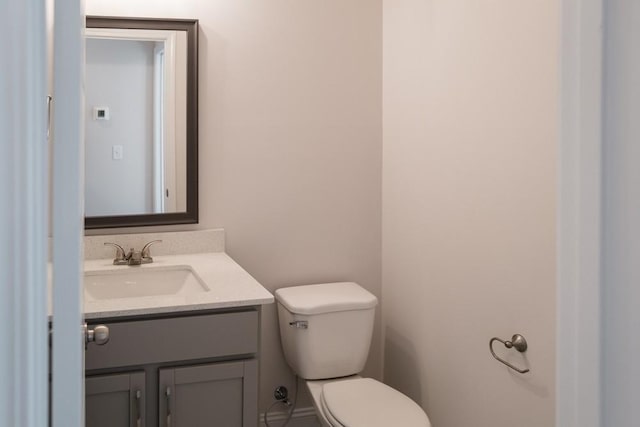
{"points": [[120, 254], [146, 253]]}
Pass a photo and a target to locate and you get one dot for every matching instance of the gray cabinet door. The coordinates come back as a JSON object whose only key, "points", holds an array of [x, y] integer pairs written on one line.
{"points": [[115, 400], [219, 394]]}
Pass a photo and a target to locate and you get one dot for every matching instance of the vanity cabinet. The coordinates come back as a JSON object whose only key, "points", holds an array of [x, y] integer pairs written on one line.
{"points": [[175, 370]]}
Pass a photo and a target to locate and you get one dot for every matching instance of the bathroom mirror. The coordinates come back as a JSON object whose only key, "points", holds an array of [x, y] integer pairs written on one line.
{"points": [[141, 122]]}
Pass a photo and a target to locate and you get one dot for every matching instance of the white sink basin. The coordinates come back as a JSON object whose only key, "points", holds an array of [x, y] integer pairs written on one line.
{"points": [[136, 282]]}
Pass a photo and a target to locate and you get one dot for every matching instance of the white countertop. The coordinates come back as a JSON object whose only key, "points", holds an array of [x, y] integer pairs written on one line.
{"points": [[230, 286]]}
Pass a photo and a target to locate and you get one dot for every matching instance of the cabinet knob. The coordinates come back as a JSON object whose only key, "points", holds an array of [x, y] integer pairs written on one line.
{"points": [[98, 335]]}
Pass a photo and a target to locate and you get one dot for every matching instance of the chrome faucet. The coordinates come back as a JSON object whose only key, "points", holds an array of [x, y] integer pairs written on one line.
{"points": [[133, 257]]}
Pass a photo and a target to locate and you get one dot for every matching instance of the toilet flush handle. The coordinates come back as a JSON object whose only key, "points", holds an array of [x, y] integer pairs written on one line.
{"points": [[300, 324]]}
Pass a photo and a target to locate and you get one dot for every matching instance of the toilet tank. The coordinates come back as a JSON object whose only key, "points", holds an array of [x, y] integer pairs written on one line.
{"points": [[326, 329]]}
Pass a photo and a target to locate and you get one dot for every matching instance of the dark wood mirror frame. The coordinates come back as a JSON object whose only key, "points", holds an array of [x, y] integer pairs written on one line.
{"points": [[190, 216]]}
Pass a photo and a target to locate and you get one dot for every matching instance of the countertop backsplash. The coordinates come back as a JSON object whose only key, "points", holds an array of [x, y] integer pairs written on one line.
{"points": [[173, 243]]}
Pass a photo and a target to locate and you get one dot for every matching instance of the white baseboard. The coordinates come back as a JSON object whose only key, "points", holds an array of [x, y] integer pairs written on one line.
{"points": [[302, 417]]}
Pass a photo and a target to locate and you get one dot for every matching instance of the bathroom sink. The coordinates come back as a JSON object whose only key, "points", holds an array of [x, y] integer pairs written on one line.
{"points": [[136, 282]]}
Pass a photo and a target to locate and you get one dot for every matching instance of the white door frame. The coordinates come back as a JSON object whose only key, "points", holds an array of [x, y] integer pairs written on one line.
{"points": [[578, 344], [68, 214], [23, 215]]}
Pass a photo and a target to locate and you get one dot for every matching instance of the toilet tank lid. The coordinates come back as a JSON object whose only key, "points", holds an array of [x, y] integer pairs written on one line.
{"points": [[325, 298]]}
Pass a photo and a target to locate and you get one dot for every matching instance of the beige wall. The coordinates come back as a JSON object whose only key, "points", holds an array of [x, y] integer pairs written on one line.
{"points": [[470, 130], [290, 142]]}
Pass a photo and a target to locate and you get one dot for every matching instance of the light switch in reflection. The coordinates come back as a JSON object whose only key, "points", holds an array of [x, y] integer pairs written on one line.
{"points": [[116, 152]]}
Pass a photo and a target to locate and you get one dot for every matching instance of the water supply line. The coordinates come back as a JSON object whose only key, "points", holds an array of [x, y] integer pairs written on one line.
{"points": [[285, 401]]}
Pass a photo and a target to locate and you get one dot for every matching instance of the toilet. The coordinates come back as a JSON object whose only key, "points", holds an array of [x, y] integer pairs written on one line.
{"points": [[326, 332]]}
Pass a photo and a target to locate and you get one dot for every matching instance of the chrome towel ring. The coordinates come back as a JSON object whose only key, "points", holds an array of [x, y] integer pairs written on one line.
{"points": [[517, 342]]}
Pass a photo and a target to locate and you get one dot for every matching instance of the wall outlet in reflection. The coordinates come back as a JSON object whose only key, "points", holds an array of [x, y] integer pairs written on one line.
{"points": [[116, 152]]}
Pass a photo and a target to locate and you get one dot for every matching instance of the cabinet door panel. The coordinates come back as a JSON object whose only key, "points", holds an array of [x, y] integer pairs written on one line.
{"points": [[218, 394], [115, 400]]}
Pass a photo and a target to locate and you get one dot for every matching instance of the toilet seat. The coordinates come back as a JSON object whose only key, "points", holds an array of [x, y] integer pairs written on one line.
{"points": [[365, 402], [326, 412]]}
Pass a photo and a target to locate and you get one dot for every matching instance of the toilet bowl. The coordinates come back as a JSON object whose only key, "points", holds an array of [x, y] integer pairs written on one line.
{"points": [[357, 401], [326, 332]]}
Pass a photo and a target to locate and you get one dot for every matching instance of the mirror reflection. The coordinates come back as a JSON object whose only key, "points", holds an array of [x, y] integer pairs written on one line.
{"points": [[140, 151], [135, 119]]}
